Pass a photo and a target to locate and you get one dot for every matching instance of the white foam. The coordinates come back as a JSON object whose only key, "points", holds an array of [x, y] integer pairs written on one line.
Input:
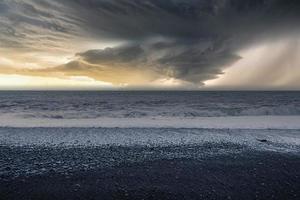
{"points": [[234, 122]]}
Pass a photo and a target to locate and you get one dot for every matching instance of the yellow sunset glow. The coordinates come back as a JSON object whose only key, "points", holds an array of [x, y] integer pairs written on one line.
{"points": [[30, 82]]}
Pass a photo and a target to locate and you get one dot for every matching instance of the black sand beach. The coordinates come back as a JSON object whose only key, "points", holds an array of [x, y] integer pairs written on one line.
{"points": [[115, 172]]}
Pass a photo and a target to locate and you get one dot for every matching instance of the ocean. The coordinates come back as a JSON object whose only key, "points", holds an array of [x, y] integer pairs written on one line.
{"points": [[150, 109], [138, 104], [102, 143]]}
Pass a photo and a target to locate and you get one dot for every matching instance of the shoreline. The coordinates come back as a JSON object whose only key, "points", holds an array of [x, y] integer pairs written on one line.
{"points": [[287, 122]]}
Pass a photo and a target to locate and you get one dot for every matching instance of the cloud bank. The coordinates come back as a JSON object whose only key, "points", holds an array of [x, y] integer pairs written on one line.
{"points": [[188, 40]]}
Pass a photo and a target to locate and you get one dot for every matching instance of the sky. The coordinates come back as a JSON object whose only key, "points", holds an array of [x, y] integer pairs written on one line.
{"points": [[150, 44]]}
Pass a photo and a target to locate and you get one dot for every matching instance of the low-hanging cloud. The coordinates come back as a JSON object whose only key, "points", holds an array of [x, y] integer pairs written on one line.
{"points": [[189, 40]]}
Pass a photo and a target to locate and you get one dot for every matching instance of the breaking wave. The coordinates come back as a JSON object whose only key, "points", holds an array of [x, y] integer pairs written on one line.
{"points": [[185, 112]]}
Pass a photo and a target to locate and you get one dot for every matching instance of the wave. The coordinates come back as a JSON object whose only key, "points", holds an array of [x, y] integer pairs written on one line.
{"points": [[158, 112], [265, 110]]}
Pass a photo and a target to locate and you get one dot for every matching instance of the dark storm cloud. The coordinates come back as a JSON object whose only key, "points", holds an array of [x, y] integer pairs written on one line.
{"points": [[117, 55], [192, 40], [194, 63], [183, 19]]}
